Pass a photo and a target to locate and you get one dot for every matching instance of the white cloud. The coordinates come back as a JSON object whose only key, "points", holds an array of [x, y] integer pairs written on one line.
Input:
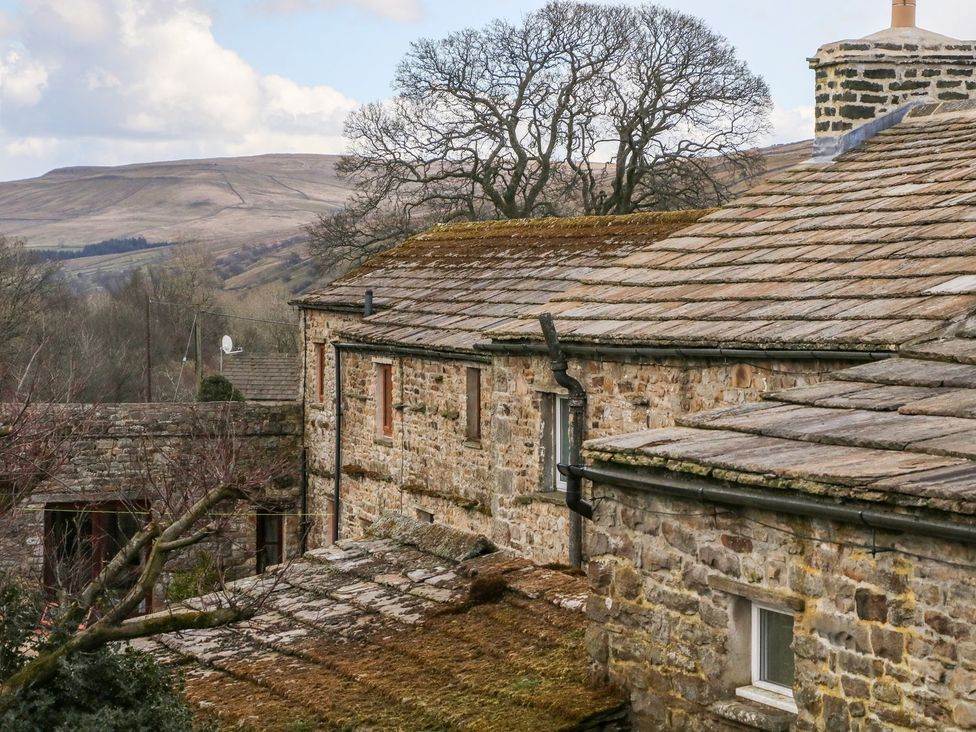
{"points": [[403, 11], [791, 124], [129, 80]]}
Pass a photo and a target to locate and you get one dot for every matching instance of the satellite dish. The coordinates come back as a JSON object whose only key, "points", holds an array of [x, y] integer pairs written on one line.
{"points": [[227, 344]]}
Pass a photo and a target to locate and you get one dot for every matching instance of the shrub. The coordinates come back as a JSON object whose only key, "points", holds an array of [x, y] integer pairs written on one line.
{"points": [[218, 388]]}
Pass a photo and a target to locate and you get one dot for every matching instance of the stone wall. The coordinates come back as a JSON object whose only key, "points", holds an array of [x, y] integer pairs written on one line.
{"points": [[882, 640], [860, 81], [500, 487], [109, 452]]}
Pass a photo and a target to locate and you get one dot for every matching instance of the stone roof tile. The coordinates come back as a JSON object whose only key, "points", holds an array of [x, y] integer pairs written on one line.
{"points": [[385, 634]]}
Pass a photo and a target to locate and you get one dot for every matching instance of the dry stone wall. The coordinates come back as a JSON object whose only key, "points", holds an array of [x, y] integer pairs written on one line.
{"points": [[883, 640]]}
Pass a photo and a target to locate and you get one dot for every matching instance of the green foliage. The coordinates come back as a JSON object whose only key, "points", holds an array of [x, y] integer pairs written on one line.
{"points": [[218, 388], [104, 691], [20, 607], [202, 577]]}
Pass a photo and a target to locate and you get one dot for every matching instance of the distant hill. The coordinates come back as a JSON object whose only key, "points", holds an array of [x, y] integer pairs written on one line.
{"points": [[249, 211]]}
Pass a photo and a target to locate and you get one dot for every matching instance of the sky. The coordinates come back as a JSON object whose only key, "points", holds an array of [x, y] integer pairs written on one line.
{"points": [[108, 82]]}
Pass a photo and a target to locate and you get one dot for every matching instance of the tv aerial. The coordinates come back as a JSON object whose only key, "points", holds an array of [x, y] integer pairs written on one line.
{"points": [[227, 348]]}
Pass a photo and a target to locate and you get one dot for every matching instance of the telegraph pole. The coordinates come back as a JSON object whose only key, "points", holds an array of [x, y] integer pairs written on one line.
{"points": [[149, 397], [198, 344]]}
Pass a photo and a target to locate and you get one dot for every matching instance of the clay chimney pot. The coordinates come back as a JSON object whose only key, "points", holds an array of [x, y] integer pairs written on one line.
{"points": [[902, 13]]}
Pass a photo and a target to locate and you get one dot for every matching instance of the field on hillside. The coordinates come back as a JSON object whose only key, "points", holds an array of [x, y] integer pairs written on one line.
{"points": [[248, 212]]}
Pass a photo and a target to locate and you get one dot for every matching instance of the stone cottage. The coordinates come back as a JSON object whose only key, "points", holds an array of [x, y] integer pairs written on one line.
{"points": [[440, 422], [803, 562]]}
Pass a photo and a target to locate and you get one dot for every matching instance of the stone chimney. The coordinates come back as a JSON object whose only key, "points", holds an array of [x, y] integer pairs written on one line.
{"points": [[866, 85]]}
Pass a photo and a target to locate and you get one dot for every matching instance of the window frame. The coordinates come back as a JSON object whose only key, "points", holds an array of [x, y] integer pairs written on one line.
{"points": [[760, 690], [560, 411], [320, 373], [261, 537], [384, 400], [472, 409]]}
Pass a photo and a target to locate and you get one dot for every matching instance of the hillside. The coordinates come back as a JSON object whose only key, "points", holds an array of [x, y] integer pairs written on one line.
{"points": [[248, 211]]}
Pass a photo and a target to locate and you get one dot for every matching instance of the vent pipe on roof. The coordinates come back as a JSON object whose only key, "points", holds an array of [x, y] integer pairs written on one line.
{"points": [[368, 304], [902, 13]]}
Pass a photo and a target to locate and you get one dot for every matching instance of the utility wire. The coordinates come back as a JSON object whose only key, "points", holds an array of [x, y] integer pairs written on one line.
{"points": [[224, 315]]}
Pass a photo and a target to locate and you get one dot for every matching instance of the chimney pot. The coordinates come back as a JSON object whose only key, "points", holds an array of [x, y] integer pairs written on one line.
{"points": [[903, 13]]}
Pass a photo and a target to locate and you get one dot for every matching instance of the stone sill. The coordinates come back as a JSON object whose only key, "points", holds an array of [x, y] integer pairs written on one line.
{"points": [[472, 444], [754, 716], [556, 498], [385, 441]]}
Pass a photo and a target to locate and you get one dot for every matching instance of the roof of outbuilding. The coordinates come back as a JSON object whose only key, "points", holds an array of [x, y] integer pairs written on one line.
{"points": [[448, 287], [390, 633], [264, 377], [900, 431]]}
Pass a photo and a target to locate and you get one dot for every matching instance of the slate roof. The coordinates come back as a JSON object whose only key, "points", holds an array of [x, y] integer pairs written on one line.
{"points": [[265, 377], [869, 252], [446, 288], [381, 634], [900, 431]]}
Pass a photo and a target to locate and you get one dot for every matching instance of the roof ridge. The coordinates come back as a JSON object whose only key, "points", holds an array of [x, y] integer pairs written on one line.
{"points": [[564, 222]]}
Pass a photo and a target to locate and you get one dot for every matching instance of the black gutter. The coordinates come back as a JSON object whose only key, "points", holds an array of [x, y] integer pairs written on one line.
{"points": [[645, 352], [391, 350], [698, 489], [337, 470], [577, 427]]}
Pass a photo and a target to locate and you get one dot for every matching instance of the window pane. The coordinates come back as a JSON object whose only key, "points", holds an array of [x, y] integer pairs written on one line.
{"points": [[776, 654], [562, 438]]}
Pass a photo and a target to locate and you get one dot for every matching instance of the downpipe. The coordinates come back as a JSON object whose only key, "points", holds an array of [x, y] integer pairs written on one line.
{"points": [[577, 426]]}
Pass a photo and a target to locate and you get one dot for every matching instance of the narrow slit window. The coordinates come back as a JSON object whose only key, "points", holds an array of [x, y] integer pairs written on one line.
{"points": [[473, 409], [384, 399], [320, 372]]}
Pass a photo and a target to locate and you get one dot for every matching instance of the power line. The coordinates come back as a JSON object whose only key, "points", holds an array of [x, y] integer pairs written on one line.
{"points": [[224, 315]]}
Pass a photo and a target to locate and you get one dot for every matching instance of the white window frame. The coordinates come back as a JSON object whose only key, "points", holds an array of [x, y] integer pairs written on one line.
{"points": [[560, 411], [761, 691]]}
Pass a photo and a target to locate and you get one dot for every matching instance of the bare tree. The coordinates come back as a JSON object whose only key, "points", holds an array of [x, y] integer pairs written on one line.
{"points": [[580, 108], [185, 499]]}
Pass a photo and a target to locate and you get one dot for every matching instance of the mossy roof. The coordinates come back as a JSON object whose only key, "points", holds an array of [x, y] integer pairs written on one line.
{"points": [[451, 286], [868, 252], [381, 634]]}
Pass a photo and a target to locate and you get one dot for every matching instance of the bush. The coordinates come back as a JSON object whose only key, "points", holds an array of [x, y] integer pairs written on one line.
{"points": [[218, 388], [104, 691]]}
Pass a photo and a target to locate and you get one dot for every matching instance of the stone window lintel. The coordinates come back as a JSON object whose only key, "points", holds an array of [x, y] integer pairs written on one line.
{"points": [[774, 599]]}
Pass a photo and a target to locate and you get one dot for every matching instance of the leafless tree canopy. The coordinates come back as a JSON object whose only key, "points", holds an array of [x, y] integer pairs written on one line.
{"points": [[580, 108]]}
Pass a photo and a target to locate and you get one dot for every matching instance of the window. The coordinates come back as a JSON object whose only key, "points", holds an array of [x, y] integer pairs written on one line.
{"points": [[772, 659], [270, 540], [384, 399], [320, 372], [425, 517], [80, 539], [473, 410], [561, 440]]}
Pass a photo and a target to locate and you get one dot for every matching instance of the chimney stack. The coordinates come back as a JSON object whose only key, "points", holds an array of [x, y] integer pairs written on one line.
{"points": [[869, 84], [902, 13]]}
